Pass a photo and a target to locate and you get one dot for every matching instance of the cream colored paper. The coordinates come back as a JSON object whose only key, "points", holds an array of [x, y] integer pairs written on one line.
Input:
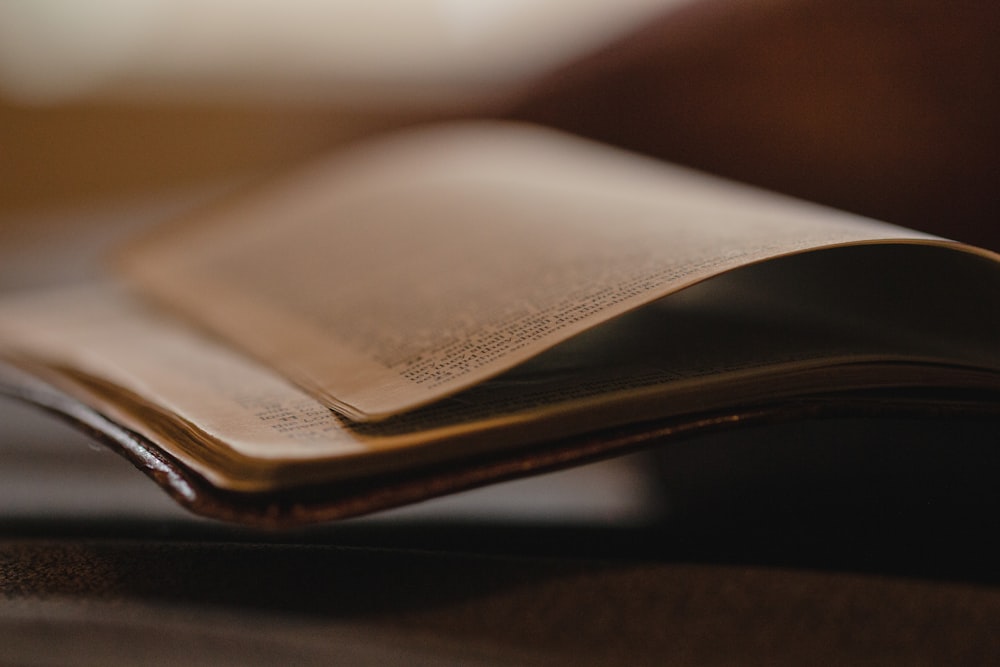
{"points": [[774, 330], [406, 270]]}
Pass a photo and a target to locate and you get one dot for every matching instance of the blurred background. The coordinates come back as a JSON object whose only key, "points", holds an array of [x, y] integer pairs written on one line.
{"points": [[886, 108], [110, 99]]}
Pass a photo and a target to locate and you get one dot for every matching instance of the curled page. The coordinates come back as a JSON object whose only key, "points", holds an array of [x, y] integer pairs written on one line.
{"points": [[407, 269]]}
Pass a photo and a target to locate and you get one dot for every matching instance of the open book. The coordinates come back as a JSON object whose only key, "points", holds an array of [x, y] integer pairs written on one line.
{"points": [[466, 303]]}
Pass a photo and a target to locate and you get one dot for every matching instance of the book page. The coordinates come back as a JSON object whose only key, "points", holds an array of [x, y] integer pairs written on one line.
{"points": [[413, 267], [105, 333], [748, 336]]}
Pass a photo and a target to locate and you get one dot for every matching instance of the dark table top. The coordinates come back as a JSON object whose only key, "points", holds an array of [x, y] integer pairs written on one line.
{"points": [[781, 546]]}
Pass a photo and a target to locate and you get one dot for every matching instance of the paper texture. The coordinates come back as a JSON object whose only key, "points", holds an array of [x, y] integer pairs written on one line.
{"points": [[773, 330], [404, 271]]}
